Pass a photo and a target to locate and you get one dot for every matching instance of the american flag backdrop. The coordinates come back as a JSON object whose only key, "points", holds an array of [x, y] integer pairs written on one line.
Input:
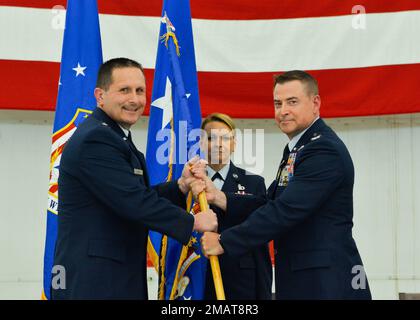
{"points": [[365, 54]]}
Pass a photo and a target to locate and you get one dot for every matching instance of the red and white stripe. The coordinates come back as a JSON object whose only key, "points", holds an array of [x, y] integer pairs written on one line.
{"points": [[239, 45]]}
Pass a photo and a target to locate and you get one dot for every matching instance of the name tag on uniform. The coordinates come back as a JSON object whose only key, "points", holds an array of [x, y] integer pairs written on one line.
{"points": [[138, 172]]}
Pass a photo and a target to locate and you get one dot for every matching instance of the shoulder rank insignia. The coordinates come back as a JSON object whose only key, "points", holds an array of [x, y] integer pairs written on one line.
{"points": [[315, 137]]}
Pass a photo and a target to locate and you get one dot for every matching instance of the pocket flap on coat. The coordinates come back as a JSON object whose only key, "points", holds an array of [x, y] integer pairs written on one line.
{"points": [[310, 260], [109, 249]]}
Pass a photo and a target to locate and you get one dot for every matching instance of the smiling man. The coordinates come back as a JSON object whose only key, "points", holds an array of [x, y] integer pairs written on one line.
{"points": [[309, 209], [121, 92], [106, 205]]}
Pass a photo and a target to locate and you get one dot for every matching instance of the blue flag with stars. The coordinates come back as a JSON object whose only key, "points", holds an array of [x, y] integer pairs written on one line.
{"points": [[173, 138], [80, 62]]}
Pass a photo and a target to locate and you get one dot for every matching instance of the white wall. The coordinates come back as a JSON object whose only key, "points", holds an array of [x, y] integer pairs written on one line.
{"points": [[386, 197]]}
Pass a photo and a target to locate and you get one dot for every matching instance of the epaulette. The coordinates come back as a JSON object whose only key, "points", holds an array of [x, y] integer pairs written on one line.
{"points": [[316, 136]]}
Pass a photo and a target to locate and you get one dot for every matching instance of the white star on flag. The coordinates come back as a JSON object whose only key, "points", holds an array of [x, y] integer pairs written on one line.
{"points": [[79, 70], [165, 103]]}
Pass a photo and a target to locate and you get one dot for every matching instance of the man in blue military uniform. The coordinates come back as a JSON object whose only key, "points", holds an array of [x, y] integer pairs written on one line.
{"points": [[106, 205], [309, 210], [248, 277]]}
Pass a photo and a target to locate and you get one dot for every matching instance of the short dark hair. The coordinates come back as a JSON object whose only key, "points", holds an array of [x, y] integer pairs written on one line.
{"points": [[104, 79], [302, 76]]}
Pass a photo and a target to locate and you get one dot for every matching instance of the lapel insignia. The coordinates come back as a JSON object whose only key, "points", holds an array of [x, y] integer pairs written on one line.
{"points": [[105, 124]]}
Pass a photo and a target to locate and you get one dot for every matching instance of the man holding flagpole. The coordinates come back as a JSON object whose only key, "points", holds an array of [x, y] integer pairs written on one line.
{"points": [[97, 222], [106, 206], [308, 211]]}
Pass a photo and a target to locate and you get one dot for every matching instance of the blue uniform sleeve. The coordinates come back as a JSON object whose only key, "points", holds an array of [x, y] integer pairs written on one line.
{"points": [[170, 191], [107, 173], [319, 170]]}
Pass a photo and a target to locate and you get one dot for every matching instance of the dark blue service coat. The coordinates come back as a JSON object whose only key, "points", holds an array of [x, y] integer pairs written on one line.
{"points": [[106, 209], [310, 217]]}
